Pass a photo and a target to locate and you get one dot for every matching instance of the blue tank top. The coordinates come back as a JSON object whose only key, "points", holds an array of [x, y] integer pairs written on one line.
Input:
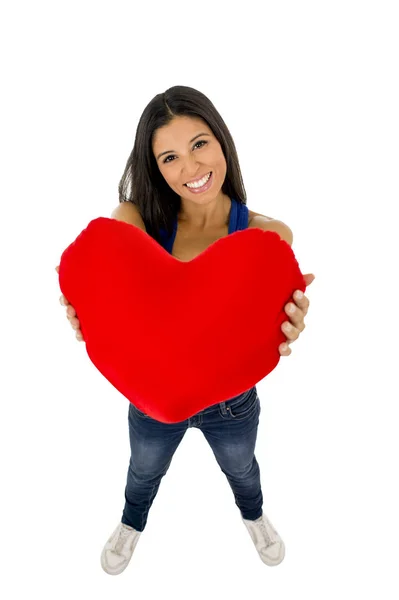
{"points": [[238, 220]]}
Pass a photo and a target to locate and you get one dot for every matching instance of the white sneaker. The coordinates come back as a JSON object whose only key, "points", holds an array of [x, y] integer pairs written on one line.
{"points": [[267, 541], [118, 550]]}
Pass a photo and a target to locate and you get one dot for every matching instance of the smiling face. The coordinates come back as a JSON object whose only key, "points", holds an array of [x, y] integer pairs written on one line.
{"points": [[187, 150]]}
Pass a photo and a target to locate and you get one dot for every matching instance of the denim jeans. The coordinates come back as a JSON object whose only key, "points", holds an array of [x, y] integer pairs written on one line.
{"points": [[229, 427]]}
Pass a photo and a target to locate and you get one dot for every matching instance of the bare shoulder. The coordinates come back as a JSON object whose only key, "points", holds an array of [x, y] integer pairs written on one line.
{"points": [[129, 213], [269, 224]]}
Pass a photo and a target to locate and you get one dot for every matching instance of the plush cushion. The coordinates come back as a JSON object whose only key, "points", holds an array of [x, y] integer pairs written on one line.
{"points": [[177, 337]]}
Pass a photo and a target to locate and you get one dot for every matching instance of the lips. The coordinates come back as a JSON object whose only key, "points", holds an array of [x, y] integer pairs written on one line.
{"points": [[198, 178]]}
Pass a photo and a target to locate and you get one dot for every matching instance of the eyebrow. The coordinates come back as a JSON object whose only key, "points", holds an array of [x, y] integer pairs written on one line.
{"points": [[194, 138]]}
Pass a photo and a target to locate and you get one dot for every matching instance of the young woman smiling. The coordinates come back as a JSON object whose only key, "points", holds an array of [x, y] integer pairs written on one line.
{"points": [[182, 185]]}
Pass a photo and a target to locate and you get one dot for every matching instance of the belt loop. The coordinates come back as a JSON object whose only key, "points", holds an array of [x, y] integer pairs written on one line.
{"points": [[223, 408]]}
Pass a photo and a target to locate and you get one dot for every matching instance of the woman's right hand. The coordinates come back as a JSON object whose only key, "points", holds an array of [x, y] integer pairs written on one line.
{"points": [[71, 314]]}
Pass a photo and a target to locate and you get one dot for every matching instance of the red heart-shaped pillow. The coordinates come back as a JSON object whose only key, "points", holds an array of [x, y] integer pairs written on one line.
{"points": [[176, 337]]}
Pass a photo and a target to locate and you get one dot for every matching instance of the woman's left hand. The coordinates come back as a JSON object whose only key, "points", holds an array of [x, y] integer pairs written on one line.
{"points": [[296, 324]]}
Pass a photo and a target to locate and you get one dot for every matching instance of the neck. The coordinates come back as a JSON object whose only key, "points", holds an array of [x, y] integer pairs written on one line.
{"points": [[213, 215]]}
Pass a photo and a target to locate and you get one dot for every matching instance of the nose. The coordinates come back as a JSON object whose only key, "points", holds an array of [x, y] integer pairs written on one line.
{"points": [[191, 168]]}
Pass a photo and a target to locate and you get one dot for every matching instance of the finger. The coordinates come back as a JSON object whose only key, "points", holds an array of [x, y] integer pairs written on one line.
{"points": [[291, 332], [74, 322], [79, 336], [296, 315], [284, 349], [309, 278], [70, 311], [57, 269], [301, 301], [63, 301]]}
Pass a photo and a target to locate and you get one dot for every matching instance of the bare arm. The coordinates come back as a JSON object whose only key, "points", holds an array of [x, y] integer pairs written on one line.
{"points": [[129, 213]]}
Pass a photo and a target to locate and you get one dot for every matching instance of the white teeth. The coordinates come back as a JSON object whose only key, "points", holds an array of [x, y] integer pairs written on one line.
{"points": [[199, 183]]}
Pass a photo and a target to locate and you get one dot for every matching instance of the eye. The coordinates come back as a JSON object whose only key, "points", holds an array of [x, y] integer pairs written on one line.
{"points": [[196, 144], [200, 142]]}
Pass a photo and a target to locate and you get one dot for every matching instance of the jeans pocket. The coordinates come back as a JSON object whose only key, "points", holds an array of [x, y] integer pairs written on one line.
{"points": [[241, 407]]}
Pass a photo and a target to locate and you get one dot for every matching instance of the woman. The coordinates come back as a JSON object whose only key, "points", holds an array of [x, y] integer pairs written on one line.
{"points": [[182, 185]]}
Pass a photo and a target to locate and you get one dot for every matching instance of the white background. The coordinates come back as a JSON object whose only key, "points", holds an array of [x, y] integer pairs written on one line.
{"points": [[309, 91]]}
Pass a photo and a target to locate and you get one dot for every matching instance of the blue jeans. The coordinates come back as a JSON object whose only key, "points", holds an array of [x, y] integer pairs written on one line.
{"points": [[230, 428]]}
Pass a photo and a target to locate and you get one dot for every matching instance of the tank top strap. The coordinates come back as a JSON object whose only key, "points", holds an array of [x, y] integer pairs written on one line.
{"points": [[238, 216]]}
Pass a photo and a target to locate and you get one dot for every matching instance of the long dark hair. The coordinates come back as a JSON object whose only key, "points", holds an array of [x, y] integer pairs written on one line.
{"points": [[142, 182]]}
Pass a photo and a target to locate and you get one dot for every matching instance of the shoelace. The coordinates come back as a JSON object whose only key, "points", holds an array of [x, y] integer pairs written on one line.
{"points": [[269, 538], [120, 542]]}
